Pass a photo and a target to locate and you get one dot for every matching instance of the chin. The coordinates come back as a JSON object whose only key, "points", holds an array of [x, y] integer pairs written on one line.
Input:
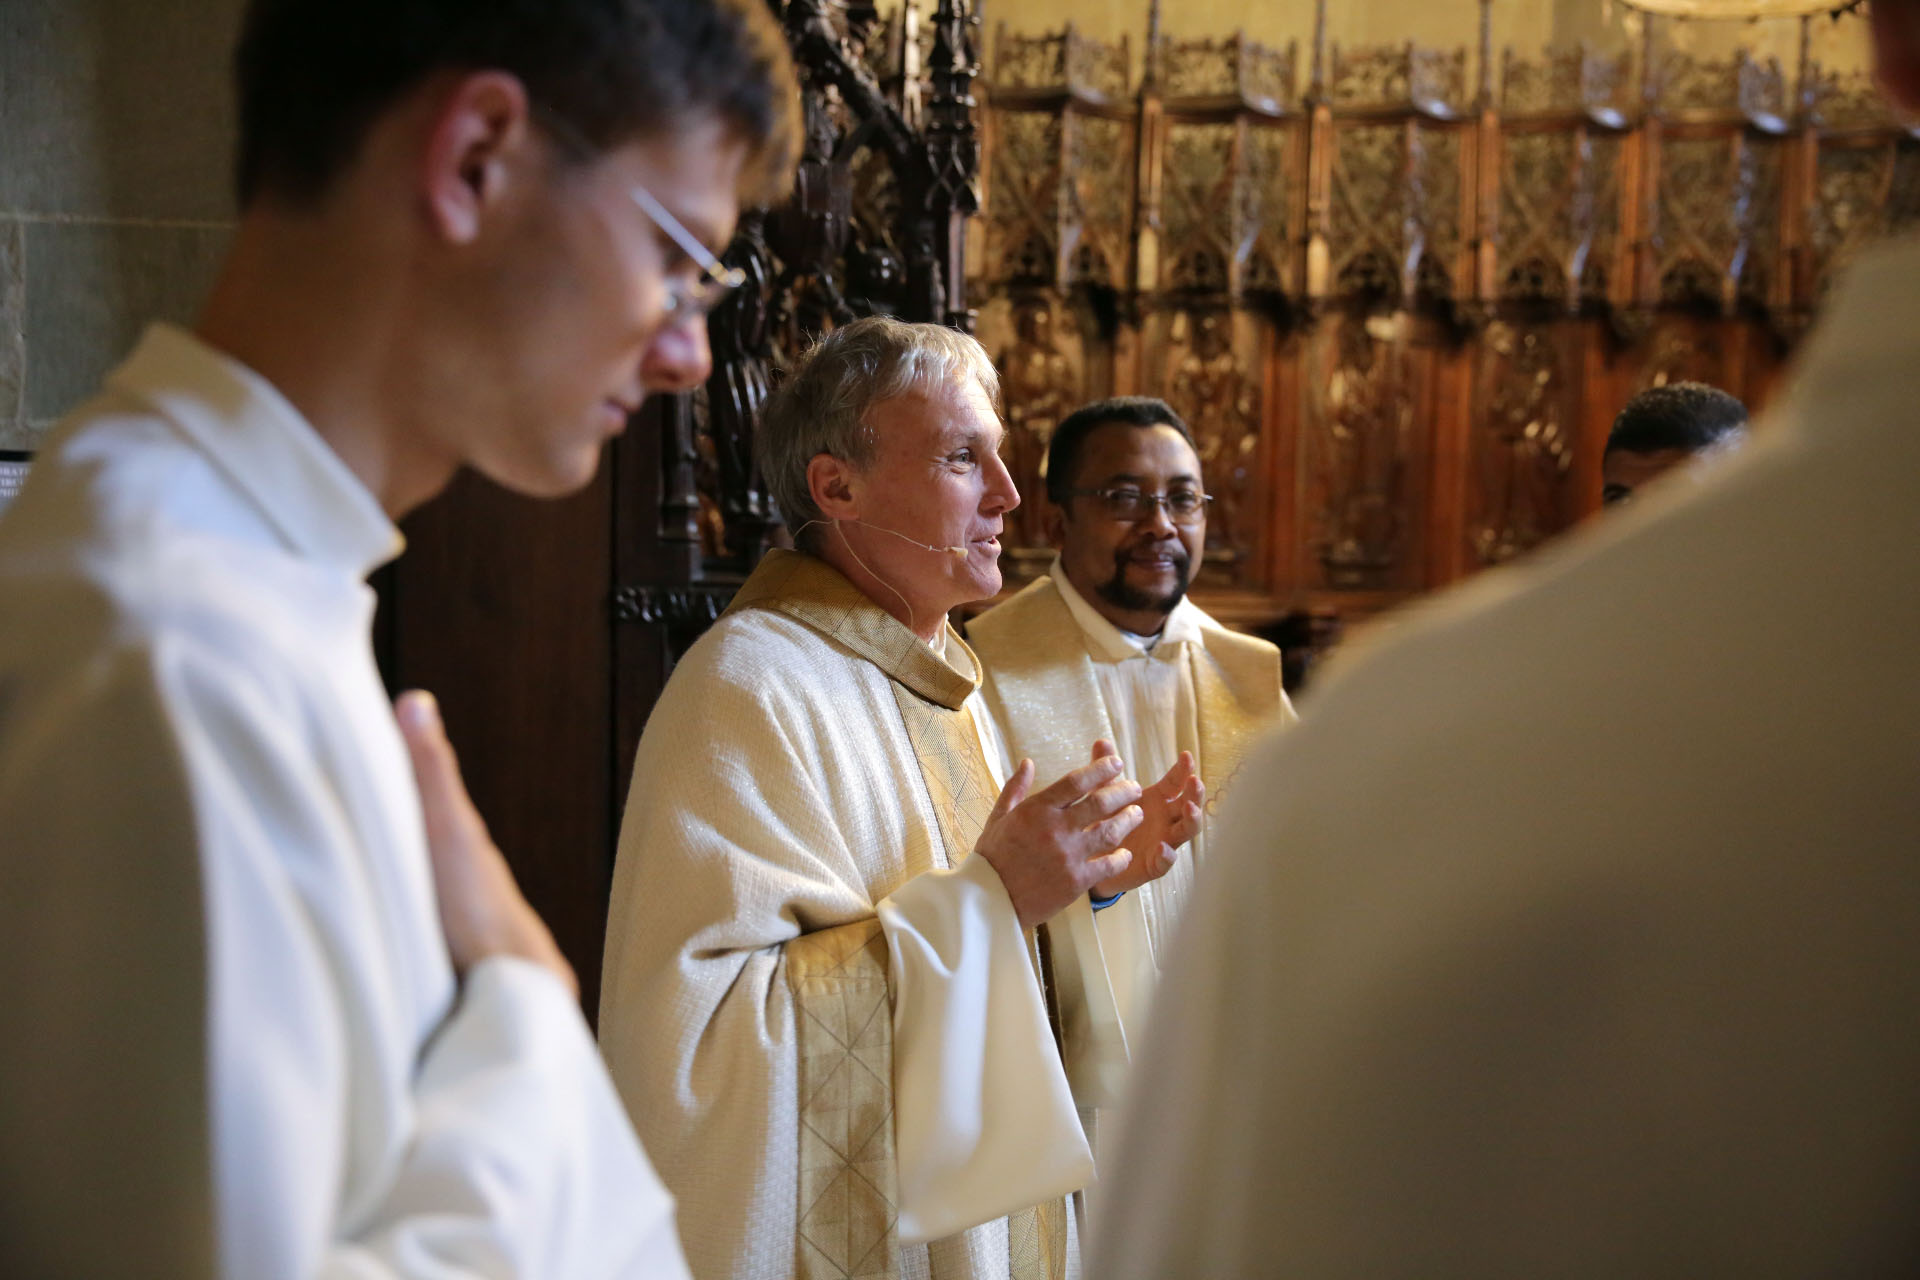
{"points": [[554, 475], [986, 583]]}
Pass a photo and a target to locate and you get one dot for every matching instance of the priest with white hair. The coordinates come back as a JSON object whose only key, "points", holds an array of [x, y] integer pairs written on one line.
{"points": [[823, 1001]]}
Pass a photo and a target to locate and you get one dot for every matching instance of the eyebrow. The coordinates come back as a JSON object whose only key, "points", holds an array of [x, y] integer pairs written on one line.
{"points": [[700, 228], [976, 438], [1126, 477]]}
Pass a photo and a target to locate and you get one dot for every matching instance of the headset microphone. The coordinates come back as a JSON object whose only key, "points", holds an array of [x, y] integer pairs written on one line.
{"points": [[951, 551], [959, 551], [962, 552]]}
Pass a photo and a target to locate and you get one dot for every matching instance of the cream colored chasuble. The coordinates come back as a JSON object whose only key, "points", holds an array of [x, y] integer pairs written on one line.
{"points": [[817, 1002], [1059, 677]]}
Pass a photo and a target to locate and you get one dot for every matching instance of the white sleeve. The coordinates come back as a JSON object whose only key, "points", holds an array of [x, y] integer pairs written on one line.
{"points": [[984, 1122], [522, 1162], [210, 1088], [103, 1134], [342, 1145]]}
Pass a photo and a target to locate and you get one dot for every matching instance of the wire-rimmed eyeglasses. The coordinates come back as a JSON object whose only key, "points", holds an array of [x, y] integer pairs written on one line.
{"points": [[1125, 503], [685, 299]]}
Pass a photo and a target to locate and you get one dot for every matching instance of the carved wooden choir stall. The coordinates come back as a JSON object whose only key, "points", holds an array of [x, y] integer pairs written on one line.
{"points": [[1399, 293]]}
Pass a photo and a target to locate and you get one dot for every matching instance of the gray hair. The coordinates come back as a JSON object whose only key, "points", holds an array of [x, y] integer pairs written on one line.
{"points": [[823, 404]]}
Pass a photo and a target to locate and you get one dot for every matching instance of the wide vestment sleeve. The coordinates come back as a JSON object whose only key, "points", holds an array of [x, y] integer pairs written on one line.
{"points": [[220, 1055], [794, 976], [984, 1116]]}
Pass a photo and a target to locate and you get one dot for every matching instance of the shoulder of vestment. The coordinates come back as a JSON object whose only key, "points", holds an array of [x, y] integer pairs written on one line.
{"points": [[1035, 613]]}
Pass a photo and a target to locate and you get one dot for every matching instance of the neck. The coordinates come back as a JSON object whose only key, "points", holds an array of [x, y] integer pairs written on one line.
{"points": [[835, 547], [308, 307], [1141, 622]]}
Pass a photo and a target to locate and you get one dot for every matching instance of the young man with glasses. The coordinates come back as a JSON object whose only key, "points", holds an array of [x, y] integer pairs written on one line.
{"points": [[273, 1004], [1107, 645]]}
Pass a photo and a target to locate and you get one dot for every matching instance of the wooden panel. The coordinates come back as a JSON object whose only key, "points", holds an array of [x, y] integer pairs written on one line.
{"points": [[500, 608], [1522, 439], [1466, 277]]}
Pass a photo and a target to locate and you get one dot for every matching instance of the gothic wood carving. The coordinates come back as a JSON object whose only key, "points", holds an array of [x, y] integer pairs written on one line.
{"points": [[1432, 274], [1200, 212], [1523, 447], [1099, 193], [1359, 455], [1024, 217], [1433, 81], [1566, 82], [1208, 385], [1038, 388], [1064, 62], [1235, 70], [875, 224]]}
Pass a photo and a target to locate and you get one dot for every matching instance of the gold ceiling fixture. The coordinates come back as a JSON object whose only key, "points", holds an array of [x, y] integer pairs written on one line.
{"points": [[1742, 8]]}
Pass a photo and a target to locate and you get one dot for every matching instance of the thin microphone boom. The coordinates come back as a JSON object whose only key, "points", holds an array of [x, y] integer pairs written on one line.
{"points": [[952, 551], [904, 603], [928, 546]]}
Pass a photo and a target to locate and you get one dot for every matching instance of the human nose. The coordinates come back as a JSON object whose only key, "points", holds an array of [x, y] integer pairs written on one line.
{"points": [[1000, 487], [678, 358], [1158, 518]]}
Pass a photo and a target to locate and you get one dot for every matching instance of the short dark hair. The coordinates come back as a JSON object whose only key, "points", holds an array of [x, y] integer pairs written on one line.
{"points": [[1689, 416], [313, 76], [1070, 437]]}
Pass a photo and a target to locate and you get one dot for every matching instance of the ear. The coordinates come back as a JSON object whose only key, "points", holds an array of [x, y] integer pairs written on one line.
{"points": [[479, 133], [1055, 519], [832, 484]]}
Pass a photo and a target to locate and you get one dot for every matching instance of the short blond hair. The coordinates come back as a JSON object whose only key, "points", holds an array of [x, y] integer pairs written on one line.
{"points": [[823, 404]]}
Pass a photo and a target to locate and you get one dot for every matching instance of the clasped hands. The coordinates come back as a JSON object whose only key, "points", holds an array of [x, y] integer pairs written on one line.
{"points": [[1093, 831]]}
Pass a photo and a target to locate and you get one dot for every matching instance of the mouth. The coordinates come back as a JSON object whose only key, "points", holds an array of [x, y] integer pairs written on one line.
{"points": [[1156, 561]]}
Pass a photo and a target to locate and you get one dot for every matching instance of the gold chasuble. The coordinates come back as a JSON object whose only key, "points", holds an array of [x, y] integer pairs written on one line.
{"points": [[1060, 677], [1041, 663], [819, 1007]]}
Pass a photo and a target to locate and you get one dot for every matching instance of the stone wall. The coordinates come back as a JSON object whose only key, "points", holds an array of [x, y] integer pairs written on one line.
{"points": [[116, 132]]}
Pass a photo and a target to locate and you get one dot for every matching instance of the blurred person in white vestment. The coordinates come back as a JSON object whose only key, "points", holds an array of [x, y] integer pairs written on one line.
{"points": [[823, 1000], [271, 1005], [1108, 644], [1576, 930]]}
